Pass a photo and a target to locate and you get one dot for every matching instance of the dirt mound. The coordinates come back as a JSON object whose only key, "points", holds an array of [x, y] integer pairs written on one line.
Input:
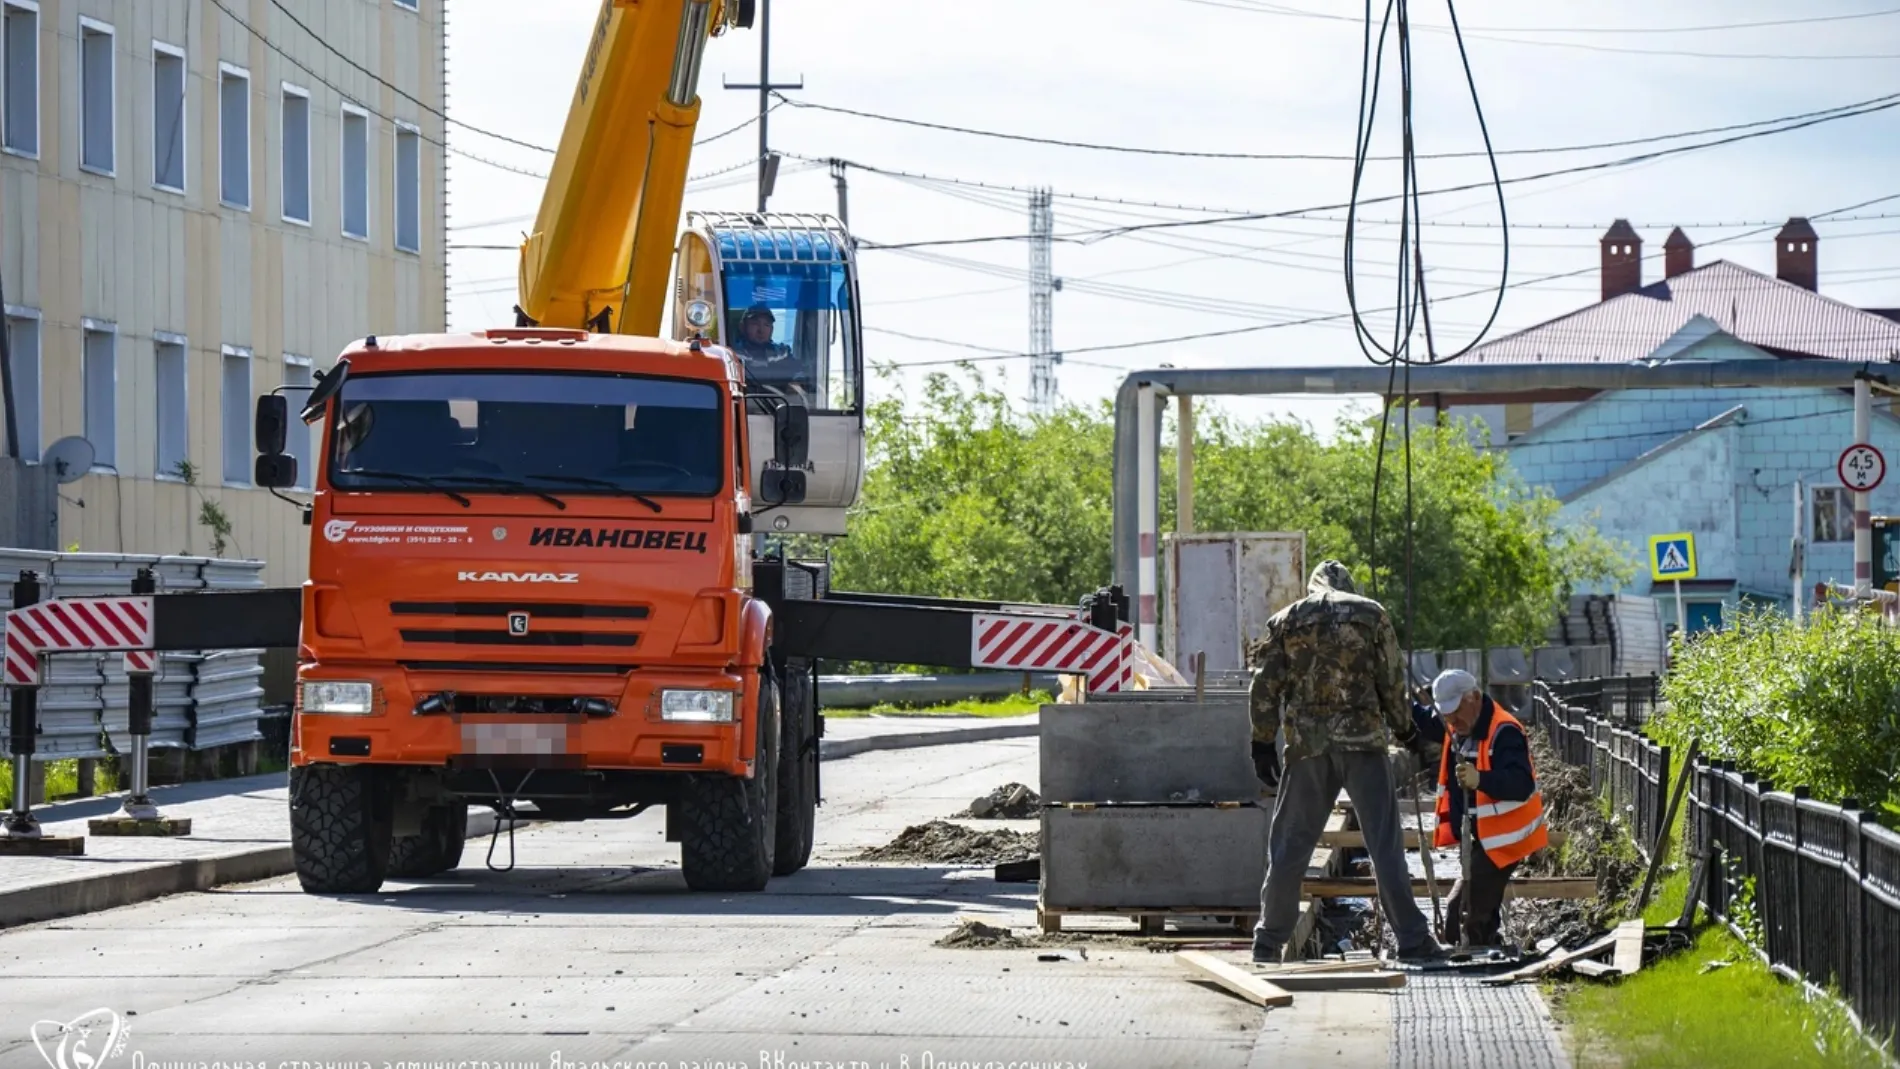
{"points": [[979, 936], [941, 842], [1597, 847], [1011, 801]]}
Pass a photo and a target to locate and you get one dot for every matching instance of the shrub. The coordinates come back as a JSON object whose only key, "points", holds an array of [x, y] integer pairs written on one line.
{"points": [[1814, 704]]}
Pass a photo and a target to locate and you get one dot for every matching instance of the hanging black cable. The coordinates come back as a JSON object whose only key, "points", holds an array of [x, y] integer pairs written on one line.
{"points": [[6, 380]]}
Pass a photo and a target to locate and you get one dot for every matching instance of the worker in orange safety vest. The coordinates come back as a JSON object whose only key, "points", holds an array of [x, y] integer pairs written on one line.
{"points": [[1493, 764]]}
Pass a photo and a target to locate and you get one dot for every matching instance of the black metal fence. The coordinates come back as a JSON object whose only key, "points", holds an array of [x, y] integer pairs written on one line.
{"points": [[1626, 769], [1821, 881], [1626, 700]]}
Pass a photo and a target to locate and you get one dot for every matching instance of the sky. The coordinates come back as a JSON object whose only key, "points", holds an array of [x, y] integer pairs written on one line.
{"points": [[1235, 77]]}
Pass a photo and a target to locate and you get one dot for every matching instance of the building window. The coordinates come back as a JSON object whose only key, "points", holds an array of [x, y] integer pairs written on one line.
{"points": [[101, 373], [235, 400], [408, 188], [410, 5], [168, 117], [1833, 514], [95, 96], [23, 346], [355, 172], [296, 154], [174, 446], [296, 375], [21, 29], [234, 136]]}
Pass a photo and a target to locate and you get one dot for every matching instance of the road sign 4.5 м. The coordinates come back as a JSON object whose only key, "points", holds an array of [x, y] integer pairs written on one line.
{"points": [[1861, 467]]}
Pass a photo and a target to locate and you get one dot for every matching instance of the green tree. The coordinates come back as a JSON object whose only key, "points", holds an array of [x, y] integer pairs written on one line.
{"points": [[965, 497]]}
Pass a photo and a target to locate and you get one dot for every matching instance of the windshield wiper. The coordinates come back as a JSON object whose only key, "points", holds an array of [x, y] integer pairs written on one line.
{"points": [[510, 484], [413, 480], [604, 484]]}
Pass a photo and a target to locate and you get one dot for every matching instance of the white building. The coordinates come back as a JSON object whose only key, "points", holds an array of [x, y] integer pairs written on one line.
{"points": [[200, 201]]}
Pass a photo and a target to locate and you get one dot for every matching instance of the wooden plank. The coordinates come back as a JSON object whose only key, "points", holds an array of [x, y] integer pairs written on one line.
{"points": [[1538, 968], [1356, 840], [1407, 806], [1595, 970], [1360, 963], [1335, 981], [1530, 887], [1253, 988], [1628, 957]]}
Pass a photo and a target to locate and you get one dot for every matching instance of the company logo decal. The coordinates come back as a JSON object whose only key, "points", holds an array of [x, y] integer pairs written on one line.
{"points": [[518, 577], [337, 530], [618, 538]]}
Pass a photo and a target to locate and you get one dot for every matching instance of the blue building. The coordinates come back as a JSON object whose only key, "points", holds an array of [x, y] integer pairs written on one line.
{"points": [[1743, 469]]}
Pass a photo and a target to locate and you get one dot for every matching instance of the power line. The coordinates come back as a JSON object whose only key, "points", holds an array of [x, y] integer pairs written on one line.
{"points": [[391, 86], [1311, 157], [1282, 9], [1091, 236]]}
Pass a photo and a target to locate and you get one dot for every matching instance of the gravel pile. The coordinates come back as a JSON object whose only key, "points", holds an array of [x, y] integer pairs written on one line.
{"points": [[941, 842], [1011, 801], [1596, 847]]}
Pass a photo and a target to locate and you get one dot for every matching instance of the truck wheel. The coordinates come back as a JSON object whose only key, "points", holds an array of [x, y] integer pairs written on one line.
{"points": [[340, 822], [797, 774], [434, 850], [728, 824]]}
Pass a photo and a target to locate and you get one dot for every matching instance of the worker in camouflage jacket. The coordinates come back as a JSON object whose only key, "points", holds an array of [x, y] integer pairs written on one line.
{"points": [[1329, 683]]}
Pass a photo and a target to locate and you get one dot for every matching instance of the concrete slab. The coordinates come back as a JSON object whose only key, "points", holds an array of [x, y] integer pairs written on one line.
{"points": [[1154, 856], [944, 1051], [1147, 752]]}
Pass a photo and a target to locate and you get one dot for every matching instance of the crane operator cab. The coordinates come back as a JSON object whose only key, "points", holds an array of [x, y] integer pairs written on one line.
{"points": [[780, 291]]}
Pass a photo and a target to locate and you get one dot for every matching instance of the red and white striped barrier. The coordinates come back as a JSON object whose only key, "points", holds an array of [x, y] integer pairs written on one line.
{"points": [[1052, 645], [78, 625]]}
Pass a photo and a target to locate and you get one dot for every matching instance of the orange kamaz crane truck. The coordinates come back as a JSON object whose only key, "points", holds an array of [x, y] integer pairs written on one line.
{"points": [[533, 576]]}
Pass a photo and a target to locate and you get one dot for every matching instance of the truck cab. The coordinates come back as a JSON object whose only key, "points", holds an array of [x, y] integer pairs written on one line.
{"points": [[531, 582]]}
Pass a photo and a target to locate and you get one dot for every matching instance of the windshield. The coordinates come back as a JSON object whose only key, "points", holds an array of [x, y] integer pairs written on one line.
{"points": [[791, 324], [563, 433]]}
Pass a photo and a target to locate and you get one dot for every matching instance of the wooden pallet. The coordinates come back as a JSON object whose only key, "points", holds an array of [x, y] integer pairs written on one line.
{"points": [[1148, 921]]}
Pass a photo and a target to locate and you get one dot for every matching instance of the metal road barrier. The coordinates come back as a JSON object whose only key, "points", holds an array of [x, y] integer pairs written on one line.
{"points": [[97, 663], [1626, 769]]}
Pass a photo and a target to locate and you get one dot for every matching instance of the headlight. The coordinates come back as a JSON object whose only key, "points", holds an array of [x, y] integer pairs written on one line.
{"points": [[704, 706], [338, 699], [699, 315]]}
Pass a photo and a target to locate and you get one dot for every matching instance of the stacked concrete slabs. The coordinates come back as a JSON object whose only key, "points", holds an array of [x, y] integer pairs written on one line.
{"points": [[1151, 805], [1143, 394]]}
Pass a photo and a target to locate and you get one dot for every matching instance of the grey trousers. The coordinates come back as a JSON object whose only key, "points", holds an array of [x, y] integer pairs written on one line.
{"points": [[1307, 790]]}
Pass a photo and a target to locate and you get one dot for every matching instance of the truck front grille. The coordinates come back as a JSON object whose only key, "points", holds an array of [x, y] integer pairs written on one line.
{"points": [[534, 638]]}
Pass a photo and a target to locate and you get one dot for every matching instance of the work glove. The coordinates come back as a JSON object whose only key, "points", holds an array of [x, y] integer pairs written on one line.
{"points": [[1467, 776], [1415, 744], [1266, 766]]}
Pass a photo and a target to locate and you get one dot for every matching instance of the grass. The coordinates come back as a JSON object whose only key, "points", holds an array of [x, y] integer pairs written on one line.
{"points": [[1737, 1015], [1014, 705], [62, 779]]}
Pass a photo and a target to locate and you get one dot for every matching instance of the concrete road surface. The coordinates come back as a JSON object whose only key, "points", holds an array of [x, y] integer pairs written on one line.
{"points": [[592, 952]]}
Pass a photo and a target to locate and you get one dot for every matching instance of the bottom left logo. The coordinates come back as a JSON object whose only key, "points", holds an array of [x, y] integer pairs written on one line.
{"points": [[85, 1042]]}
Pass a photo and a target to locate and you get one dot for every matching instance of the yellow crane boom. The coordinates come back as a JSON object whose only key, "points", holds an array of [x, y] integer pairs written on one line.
{"points": [[602, 245]]}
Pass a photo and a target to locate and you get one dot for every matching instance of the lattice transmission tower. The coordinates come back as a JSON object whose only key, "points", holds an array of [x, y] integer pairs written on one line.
{"points": [[1043, 285]]}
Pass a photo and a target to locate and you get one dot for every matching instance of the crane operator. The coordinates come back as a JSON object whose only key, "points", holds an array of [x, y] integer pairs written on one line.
{"points": [[771, 363]]}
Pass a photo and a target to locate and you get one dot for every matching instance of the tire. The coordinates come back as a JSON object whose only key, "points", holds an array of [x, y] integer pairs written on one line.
{"points": [[797, 773], [340, 823], [728, 825], [434, 850]]}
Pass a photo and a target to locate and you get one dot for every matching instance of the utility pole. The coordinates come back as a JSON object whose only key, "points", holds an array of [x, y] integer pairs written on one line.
{"points": [[838, 179], [1043, 285], [768, 163]]}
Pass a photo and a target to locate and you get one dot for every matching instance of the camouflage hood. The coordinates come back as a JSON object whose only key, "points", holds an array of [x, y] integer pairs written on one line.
{"points": [[1330, 577]]}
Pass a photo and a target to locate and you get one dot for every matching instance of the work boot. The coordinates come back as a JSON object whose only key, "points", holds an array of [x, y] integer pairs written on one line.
{"points": [[1264, 952], [1431, 950]]}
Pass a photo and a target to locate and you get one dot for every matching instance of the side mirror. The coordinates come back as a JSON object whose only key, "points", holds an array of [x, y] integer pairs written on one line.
{"points": [[327, 386], [273, 424], [275, 471], [791, 435], [781, 486], [745, 523]]}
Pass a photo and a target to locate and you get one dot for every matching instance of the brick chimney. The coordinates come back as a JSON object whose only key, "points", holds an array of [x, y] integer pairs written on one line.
{"points": [[1797, 255], [1622, 260], [1678, 254]]}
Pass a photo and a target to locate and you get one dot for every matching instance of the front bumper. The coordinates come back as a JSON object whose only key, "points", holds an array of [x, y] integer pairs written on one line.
{"points": [[633, 736]]}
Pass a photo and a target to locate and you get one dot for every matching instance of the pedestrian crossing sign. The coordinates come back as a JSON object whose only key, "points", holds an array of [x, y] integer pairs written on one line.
{"points": [[1672, 556]]}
